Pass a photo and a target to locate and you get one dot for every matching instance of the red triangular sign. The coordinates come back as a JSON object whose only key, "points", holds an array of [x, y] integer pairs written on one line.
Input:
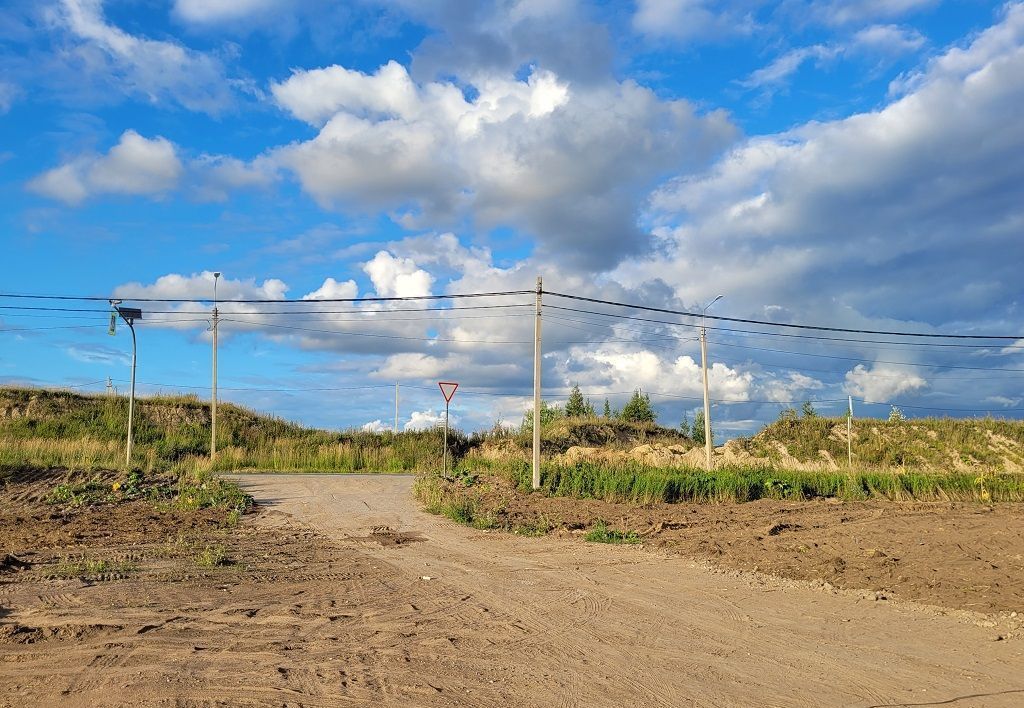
{"points": [[447, 389]]}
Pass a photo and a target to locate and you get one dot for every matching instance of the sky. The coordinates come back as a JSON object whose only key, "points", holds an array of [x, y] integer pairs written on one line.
{"points": [[855, 164]]}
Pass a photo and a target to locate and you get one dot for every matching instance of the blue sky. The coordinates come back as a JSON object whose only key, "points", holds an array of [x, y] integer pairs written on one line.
{"points": [[857, 164]]}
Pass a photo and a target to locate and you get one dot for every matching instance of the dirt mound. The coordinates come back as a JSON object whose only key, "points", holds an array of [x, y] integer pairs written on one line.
{"points": [[965, 445]]}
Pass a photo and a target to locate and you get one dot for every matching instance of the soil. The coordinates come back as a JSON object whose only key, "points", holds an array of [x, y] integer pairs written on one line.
{"points": [[967, 556], [339, 591]]}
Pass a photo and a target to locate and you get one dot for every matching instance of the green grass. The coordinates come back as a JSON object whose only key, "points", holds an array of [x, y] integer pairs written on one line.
{"points": [[49, 429], [600, 533], [90, 567], [935, 443], [213, 556], [644, 485]]}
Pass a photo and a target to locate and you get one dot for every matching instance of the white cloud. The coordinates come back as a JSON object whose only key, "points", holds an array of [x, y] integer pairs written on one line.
{"points": [[216, 177], [882, 383], [217, 11], [692, 20], [424, 420], [135, 165], [174, 285], [845, 12], [397, 277], [784, 66], [865, 214], [162, 71], [375, 426], [9, 93], [332, 289], [567, 164], [789, 387], [889, 39]]}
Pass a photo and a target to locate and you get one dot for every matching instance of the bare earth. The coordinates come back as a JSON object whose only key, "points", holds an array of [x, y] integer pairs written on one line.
{"points": [[348, 595]]}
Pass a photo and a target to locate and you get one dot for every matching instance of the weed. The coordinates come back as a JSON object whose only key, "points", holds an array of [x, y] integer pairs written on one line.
{"points": [[602, 534], [213, 556], [90, 567]]}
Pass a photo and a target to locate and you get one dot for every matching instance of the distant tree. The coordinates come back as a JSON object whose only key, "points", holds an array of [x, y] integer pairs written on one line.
{"points": [[607, 409], [684, 427], [788, 413], [591, 413], [808, 410], [896, 415], [698, 428], [639, 410], [575, 407]]}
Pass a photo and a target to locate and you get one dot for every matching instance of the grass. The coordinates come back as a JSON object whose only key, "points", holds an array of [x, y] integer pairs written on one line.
{"points": [[214, 556], [640, 484], [602, 534], [90, 567], [936, 443]]}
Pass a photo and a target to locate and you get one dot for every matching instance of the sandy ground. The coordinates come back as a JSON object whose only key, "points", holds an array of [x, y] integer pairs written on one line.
{"points": [[346, 594], [967, 556]]}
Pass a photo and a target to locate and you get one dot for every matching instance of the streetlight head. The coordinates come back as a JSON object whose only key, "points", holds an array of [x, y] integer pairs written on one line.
{"points": [[216, 275]]}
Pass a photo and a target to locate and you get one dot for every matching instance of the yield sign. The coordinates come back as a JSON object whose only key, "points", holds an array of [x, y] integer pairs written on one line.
{"points": [[447, 389]]}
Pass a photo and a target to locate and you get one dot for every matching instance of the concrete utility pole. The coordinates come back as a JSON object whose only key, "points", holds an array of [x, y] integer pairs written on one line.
{"points": [[129, 315], [707, 399], [849, 434], [213, 396], [396, 408], [536, 387]]}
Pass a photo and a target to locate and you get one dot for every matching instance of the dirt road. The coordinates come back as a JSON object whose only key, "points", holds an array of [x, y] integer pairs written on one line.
{"points": [[559, 622]]}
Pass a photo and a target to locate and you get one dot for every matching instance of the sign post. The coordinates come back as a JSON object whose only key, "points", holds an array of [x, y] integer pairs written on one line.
{"points": [[447, 390]]}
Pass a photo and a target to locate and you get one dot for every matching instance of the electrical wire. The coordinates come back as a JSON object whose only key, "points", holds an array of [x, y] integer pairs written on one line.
{"points": [[764, 323]]}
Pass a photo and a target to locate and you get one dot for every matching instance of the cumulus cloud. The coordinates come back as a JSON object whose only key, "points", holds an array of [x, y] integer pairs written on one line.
{"points": [[882, 198], [397, 277], [332, 289], [424, 420], [881, 383], [567, 164], [375, 426], [136, 165], [161, 71]]}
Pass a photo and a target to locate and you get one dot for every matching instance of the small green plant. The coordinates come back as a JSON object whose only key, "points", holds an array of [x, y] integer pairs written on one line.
{"points": [[90, 567], [213, 556], [896, 415], [602, 534]]}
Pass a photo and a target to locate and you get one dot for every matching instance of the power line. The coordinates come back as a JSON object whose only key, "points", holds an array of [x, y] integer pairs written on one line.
{"points": [[765, 323], [779, 334], [406, 298]]}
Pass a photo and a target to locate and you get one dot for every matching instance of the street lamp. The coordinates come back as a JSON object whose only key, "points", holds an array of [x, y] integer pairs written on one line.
{"points": [[213, 397], [129, 315], [704, 368]]}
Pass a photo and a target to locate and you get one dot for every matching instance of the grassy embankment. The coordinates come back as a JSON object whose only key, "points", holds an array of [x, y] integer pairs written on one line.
{"points": [[919, 459], [922, 460], [172, 433]]}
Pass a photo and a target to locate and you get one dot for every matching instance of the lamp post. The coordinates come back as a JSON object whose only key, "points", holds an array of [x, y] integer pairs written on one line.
{"points": [[129, 315], [704, 368], [213, 397]]}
